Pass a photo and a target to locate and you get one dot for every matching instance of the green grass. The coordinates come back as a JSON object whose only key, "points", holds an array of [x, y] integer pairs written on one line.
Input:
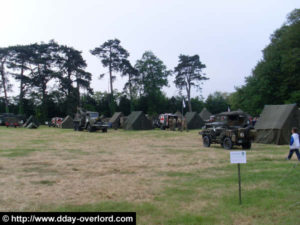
{"points": [[44, 182], [188, 194], [270, 195], [16, 152]]}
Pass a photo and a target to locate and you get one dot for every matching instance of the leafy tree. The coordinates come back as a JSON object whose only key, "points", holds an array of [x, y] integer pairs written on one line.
{"points": [[125, 105], [217, 102], [276, 78], [4, 82], [43, 70], [153, 76], [132, 83], [72, 70], [112, 55], [189, 74], [19, 62]]}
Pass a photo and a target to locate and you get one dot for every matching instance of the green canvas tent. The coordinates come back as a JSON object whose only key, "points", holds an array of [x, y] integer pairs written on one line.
{"points": [[67, 123], [137, 121], [205, 114], [115, 120], [178, 114], [275, 123], [193, 120]]}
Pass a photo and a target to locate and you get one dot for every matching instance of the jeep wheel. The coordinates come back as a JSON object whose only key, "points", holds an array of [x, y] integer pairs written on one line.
{"points": [[89, 128], [246, 145], [227, 143], [104, 130], [206, 141]]}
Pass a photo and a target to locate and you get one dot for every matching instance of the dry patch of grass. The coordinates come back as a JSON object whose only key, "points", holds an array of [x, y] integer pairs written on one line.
{"points": [[167, 177]]}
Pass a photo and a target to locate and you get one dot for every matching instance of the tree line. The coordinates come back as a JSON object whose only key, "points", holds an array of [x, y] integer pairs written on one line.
{"points": [[53, 81], [276, 77]]}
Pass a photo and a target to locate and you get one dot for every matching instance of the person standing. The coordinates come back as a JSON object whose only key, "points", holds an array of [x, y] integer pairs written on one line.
{"points": [[294, 144]]}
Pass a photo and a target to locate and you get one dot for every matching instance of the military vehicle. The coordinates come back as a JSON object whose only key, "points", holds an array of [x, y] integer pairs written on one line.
{"points": [[229, 129], [11, 120], [166, 120], [90, 121]]}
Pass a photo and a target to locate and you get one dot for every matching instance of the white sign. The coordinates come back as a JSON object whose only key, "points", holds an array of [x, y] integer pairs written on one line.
{"points": [[238, 157]]}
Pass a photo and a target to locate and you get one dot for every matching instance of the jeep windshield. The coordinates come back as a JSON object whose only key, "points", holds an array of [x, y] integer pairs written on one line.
{"points": [[233, 120], [94, 115]]}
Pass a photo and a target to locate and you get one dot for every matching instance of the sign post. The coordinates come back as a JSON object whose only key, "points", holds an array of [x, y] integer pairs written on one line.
{"points": [[238, 157], [240, 188]]}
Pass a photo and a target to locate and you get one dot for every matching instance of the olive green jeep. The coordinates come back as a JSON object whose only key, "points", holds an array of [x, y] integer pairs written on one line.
{"points": [[229, 129]]}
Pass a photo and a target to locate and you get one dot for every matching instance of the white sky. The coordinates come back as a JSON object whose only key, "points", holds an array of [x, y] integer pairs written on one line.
{"points": [[227, 35]]}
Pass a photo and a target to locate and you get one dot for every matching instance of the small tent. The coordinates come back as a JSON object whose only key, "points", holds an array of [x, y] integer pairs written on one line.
{"points": [[193, 120], [67, 123], [275, 124], [137, 121], [115, 120], [205, 114], [28, 121], [32, 121], [32, 126]]}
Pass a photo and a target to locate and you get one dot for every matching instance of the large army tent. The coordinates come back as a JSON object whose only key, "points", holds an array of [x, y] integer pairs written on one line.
{"points": [[137, 121], [205, 114], [193, 120], [115, 120], [67, 123], [275, 124]]}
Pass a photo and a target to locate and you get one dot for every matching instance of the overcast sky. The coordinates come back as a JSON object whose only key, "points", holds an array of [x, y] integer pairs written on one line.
{"points": [[227, 35]]}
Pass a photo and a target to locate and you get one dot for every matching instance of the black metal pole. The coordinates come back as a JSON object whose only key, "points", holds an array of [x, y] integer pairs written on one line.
{"points": [[240, 188], [182, 115]]}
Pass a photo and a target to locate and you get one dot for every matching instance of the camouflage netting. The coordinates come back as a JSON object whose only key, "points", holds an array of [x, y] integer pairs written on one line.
{"points": [[115, 119], [275, 124], [67, 123], [193, 120], [137, 121], [205, 114]]}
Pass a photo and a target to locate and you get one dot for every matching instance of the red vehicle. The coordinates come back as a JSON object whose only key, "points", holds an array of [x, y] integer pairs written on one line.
{"points": [[11, 122], [56, 122], [164, 120]]}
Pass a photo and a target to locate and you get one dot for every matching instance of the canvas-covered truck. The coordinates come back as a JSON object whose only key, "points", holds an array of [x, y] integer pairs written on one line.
{"points": [[229, 129], [90, 121]]}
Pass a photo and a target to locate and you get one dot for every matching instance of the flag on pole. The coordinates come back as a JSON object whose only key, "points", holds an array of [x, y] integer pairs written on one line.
{"points": [[183, 103]]}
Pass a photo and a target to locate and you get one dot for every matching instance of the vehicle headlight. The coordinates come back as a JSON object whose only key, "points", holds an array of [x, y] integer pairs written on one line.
{"points": [[242, 134]]}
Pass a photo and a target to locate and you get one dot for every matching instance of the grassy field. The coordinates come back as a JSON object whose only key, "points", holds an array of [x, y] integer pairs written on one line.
{"points": [[166, 177]]}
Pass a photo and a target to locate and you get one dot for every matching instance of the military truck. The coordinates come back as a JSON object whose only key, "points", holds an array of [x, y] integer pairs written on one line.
{"points": [[229, 129], [90, 121]]}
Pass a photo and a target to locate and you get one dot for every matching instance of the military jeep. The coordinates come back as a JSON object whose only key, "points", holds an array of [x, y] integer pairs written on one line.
{"points": [[90, 121], [229, 129]]}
